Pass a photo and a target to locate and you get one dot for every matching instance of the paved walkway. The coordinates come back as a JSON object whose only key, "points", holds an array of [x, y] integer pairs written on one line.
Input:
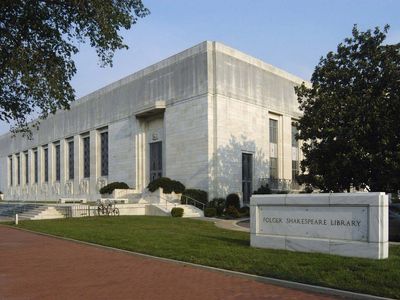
{"points": [[231, 225], [34, 266]]}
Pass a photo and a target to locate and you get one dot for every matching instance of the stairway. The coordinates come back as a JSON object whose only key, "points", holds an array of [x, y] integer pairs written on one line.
{"points": [[190, 211], [41, 213], [9, 210]]}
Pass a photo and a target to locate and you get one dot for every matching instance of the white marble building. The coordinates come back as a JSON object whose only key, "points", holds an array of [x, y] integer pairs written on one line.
{"points": [[211, 117]]}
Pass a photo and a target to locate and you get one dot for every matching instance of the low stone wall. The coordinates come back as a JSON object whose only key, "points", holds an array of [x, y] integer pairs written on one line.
{"points": [[348, 224]]}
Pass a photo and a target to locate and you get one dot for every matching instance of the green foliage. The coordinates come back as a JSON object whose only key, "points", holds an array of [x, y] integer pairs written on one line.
{"points": [[308, 189], [233, 200], [177, 212], [167, 185], [109, 188], [232, 212], [199, 195], [210, 212], [263, 189], [38, 41], [244, 211], [350, 124], [218, 204], [394, 198]]}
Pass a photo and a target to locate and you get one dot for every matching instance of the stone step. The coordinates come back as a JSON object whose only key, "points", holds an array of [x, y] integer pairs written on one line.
{"points": [[41, 213], [190, 211]]}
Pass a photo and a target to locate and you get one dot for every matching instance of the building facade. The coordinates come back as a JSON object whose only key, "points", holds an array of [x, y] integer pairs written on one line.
{"points": [[211, 117]]}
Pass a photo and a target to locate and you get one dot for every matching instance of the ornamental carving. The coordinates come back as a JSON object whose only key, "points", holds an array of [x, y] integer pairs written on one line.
{"points": [[101, 182], [84, 186], [69, 188]]}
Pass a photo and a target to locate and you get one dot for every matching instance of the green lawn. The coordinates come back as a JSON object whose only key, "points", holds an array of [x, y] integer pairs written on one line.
{"points": [[202, 243]]}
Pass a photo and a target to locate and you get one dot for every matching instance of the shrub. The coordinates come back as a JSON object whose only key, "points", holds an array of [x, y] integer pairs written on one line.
{"points": [[177, 212], [263, 189], [210, 212], [233, 200], [244, 211], [232, 212], [167, 185], [308, 189], [109, 188], [218, 204], [199, 195], [282, 192]]}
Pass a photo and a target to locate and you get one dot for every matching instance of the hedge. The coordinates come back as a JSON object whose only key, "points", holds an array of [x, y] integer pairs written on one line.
{"points": [[232, 212], [218, 204], [168, 185], [109, 188], [233, 200], [210, 212], [177, 212], [199, 195]]}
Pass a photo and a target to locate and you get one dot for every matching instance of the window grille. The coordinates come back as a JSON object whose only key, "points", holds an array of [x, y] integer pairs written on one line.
{"points": [[71, 160], [104, 153], [46, 165], [86, 157], [58, 163]]}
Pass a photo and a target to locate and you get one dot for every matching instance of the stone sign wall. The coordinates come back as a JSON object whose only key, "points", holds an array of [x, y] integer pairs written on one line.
{"points": [[348, 224]]}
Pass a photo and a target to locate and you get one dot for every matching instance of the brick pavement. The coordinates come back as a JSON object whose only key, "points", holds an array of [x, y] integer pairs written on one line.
{"points": [[34, 266]]}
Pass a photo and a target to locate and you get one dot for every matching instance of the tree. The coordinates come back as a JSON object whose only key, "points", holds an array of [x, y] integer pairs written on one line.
{"points": [[351, 125], [38, 39]]}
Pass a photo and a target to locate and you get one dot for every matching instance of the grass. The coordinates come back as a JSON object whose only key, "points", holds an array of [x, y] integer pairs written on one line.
{"points": [[202, 243]]}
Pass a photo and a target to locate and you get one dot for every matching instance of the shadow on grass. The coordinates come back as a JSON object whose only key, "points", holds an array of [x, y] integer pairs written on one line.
{"points": [[227, 240]]}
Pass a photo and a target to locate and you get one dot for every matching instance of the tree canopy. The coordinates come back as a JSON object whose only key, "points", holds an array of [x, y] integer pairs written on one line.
{"points": [[351, 125], [38, 39]]}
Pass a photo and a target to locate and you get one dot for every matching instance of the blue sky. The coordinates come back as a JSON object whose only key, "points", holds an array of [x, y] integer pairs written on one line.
{"points": [[289, 34]]}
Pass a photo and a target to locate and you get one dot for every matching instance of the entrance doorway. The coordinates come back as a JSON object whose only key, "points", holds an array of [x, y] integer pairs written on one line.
{"points": [[155, 160], [247, 176]]}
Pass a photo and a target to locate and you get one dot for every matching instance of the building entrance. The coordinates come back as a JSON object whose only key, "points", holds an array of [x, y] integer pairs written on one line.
{"points": [[155, 160]]}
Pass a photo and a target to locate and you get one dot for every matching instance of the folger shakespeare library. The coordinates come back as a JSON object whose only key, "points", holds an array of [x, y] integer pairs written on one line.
{"points": [[211, 117]]}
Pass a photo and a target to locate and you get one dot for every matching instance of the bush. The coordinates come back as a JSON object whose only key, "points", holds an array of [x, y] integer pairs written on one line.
{"points": [[232, 212], [308, 189], [177, 212], [167, 185], [233, 200], [109, 188], [218, 204], [210, 212], [199, 195], [244, 211], [263, 189], [282, 192]]}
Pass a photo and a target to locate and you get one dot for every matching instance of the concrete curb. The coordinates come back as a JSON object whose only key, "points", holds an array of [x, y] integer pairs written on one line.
{"points": [[274, 281]]}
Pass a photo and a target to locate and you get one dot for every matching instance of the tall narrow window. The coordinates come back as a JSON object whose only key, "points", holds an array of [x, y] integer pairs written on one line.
{"points": [[155, 160], [273, 148], [58, 163], [18, 170], [36, 165], [247, 176], [295, 156], [11, 170], [26, 168], [71, 160], [86, 157], [46, 164], [104, 153]]}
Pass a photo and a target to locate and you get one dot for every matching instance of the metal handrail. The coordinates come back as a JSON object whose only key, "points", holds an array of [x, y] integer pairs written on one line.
{"points": [[167, 202], [195, 201]]}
